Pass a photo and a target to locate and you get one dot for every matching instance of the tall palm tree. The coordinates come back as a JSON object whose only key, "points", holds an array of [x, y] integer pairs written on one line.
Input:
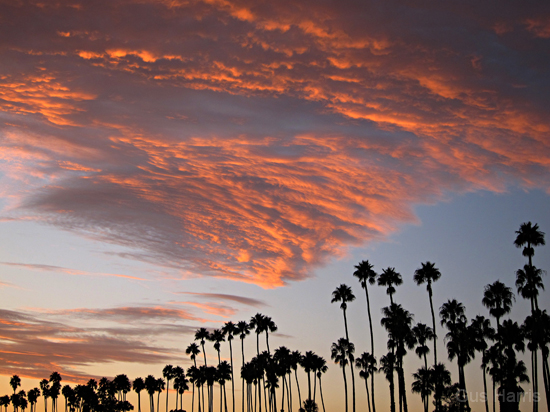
{"points": [[243, 329], [193, 350], [308, 363], [217, 336], [390, 278], [269, 326], [498, 298], [428, 274], [367, 365], [387, 365], [230, 329], [257, 323], [202, 334], [161, 385], [15, 382], [529, 236], [340, 353], [344, 294], [45, 388], [365, 273], [33, 396], [168, 373]]}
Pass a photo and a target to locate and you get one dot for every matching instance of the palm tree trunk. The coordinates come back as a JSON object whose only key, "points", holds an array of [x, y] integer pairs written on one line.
{"points": [[345, 386], [392, 393], [368, 397], [351, 364], [371, 345], [242, 379], [433, 323], [546, 378], [485, 389], [167, 390], [321, 392], [298, 385], [232, 377]]}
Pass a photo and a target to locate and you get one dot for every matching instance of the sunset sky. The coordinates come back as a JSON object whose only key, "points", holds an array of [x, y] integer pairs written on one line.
{"points": [[170, 165]]}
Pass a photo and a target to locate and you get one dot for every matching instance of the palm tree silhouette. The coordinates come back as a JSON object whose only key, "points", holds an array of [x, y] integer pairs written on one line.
{"points": [[387, 365], [482, 332], [460, 342], [398, 323], [223, 375], [340, 352], [243, 329], [441, 378], [217, 336], [202, 334], [269, 326], [168, 373], [180, 385], [428, 274], [33, 396], [294, 360], [45, 388], [230, 329], [423, 384], [193, 350], [367, 365], [55, 389], [423, 333], [344, 294], [151, 388], [529, 236], [160, 387], [365, 273], [282, 357], [390, 278], [15, 382], [308, 363], [321, 367], [138, 385], [498, 299], [257, 323]]}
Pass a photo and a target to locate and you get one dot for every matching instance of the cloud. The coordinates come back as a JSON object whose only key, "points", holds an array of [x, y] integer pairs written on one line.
{"points": [[235, 298], [33, 346], [264, 138], [59, 269]]}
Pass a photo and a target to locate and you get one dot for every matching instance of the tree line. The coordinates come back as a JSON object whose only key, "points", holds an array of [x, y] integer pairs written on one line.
{"points": [[267, 379]]}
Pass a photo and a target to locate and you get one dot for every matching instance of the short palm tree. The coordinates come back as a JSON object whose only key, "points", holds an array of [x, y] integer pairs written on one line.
{"points": [[365, 273], [387, 366], [230, 329], [482, 332], [423, 385], [367, 365], [168, 373], [423, 334], [529, 235], [243, 329], [151, 388], [193, 350]]}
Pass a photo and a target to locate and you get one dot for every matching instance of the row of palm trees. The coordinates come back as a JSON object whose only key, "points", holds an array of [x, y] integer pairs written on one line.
{"points": [[463, 339], [267, 379]]}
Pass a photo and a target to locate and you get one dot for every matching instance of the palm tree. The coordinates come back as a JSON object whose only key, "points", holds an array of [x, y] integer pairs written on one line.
{"points": [[257, 322], [45, 387], [482, 332], [460, 342], [138, 385], [243, 329], [365, 273], [344, 294], [498, 299], [269, 326], [423, 334], [387, 365], [294, 361], [230, 329], [390, 278], [193, 375], [223, 375], [180, 385], [33, 396], [67, 392], [15, 382], [5, 401], [528, 283], [441, 378], [308, 363], [151, 388], [367, 365], [55, 389], [397, 322], [282, 357], [168, 373], [160, 387], [193, 350], [321, 367], [340, 352], [423, 384], [428, 274], [202, 334], [530, 236]]}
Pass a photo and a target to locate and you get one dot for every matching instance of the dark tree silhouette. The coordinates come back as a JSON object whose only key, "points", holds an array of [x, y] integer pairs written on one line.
{"points": [[390, 278], [366, 275], [340, 352]]}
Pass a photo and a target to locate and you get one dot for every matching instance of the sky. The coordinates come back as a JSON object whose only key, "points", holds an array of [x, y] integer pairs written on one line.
{"points": [[170, 165]]}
